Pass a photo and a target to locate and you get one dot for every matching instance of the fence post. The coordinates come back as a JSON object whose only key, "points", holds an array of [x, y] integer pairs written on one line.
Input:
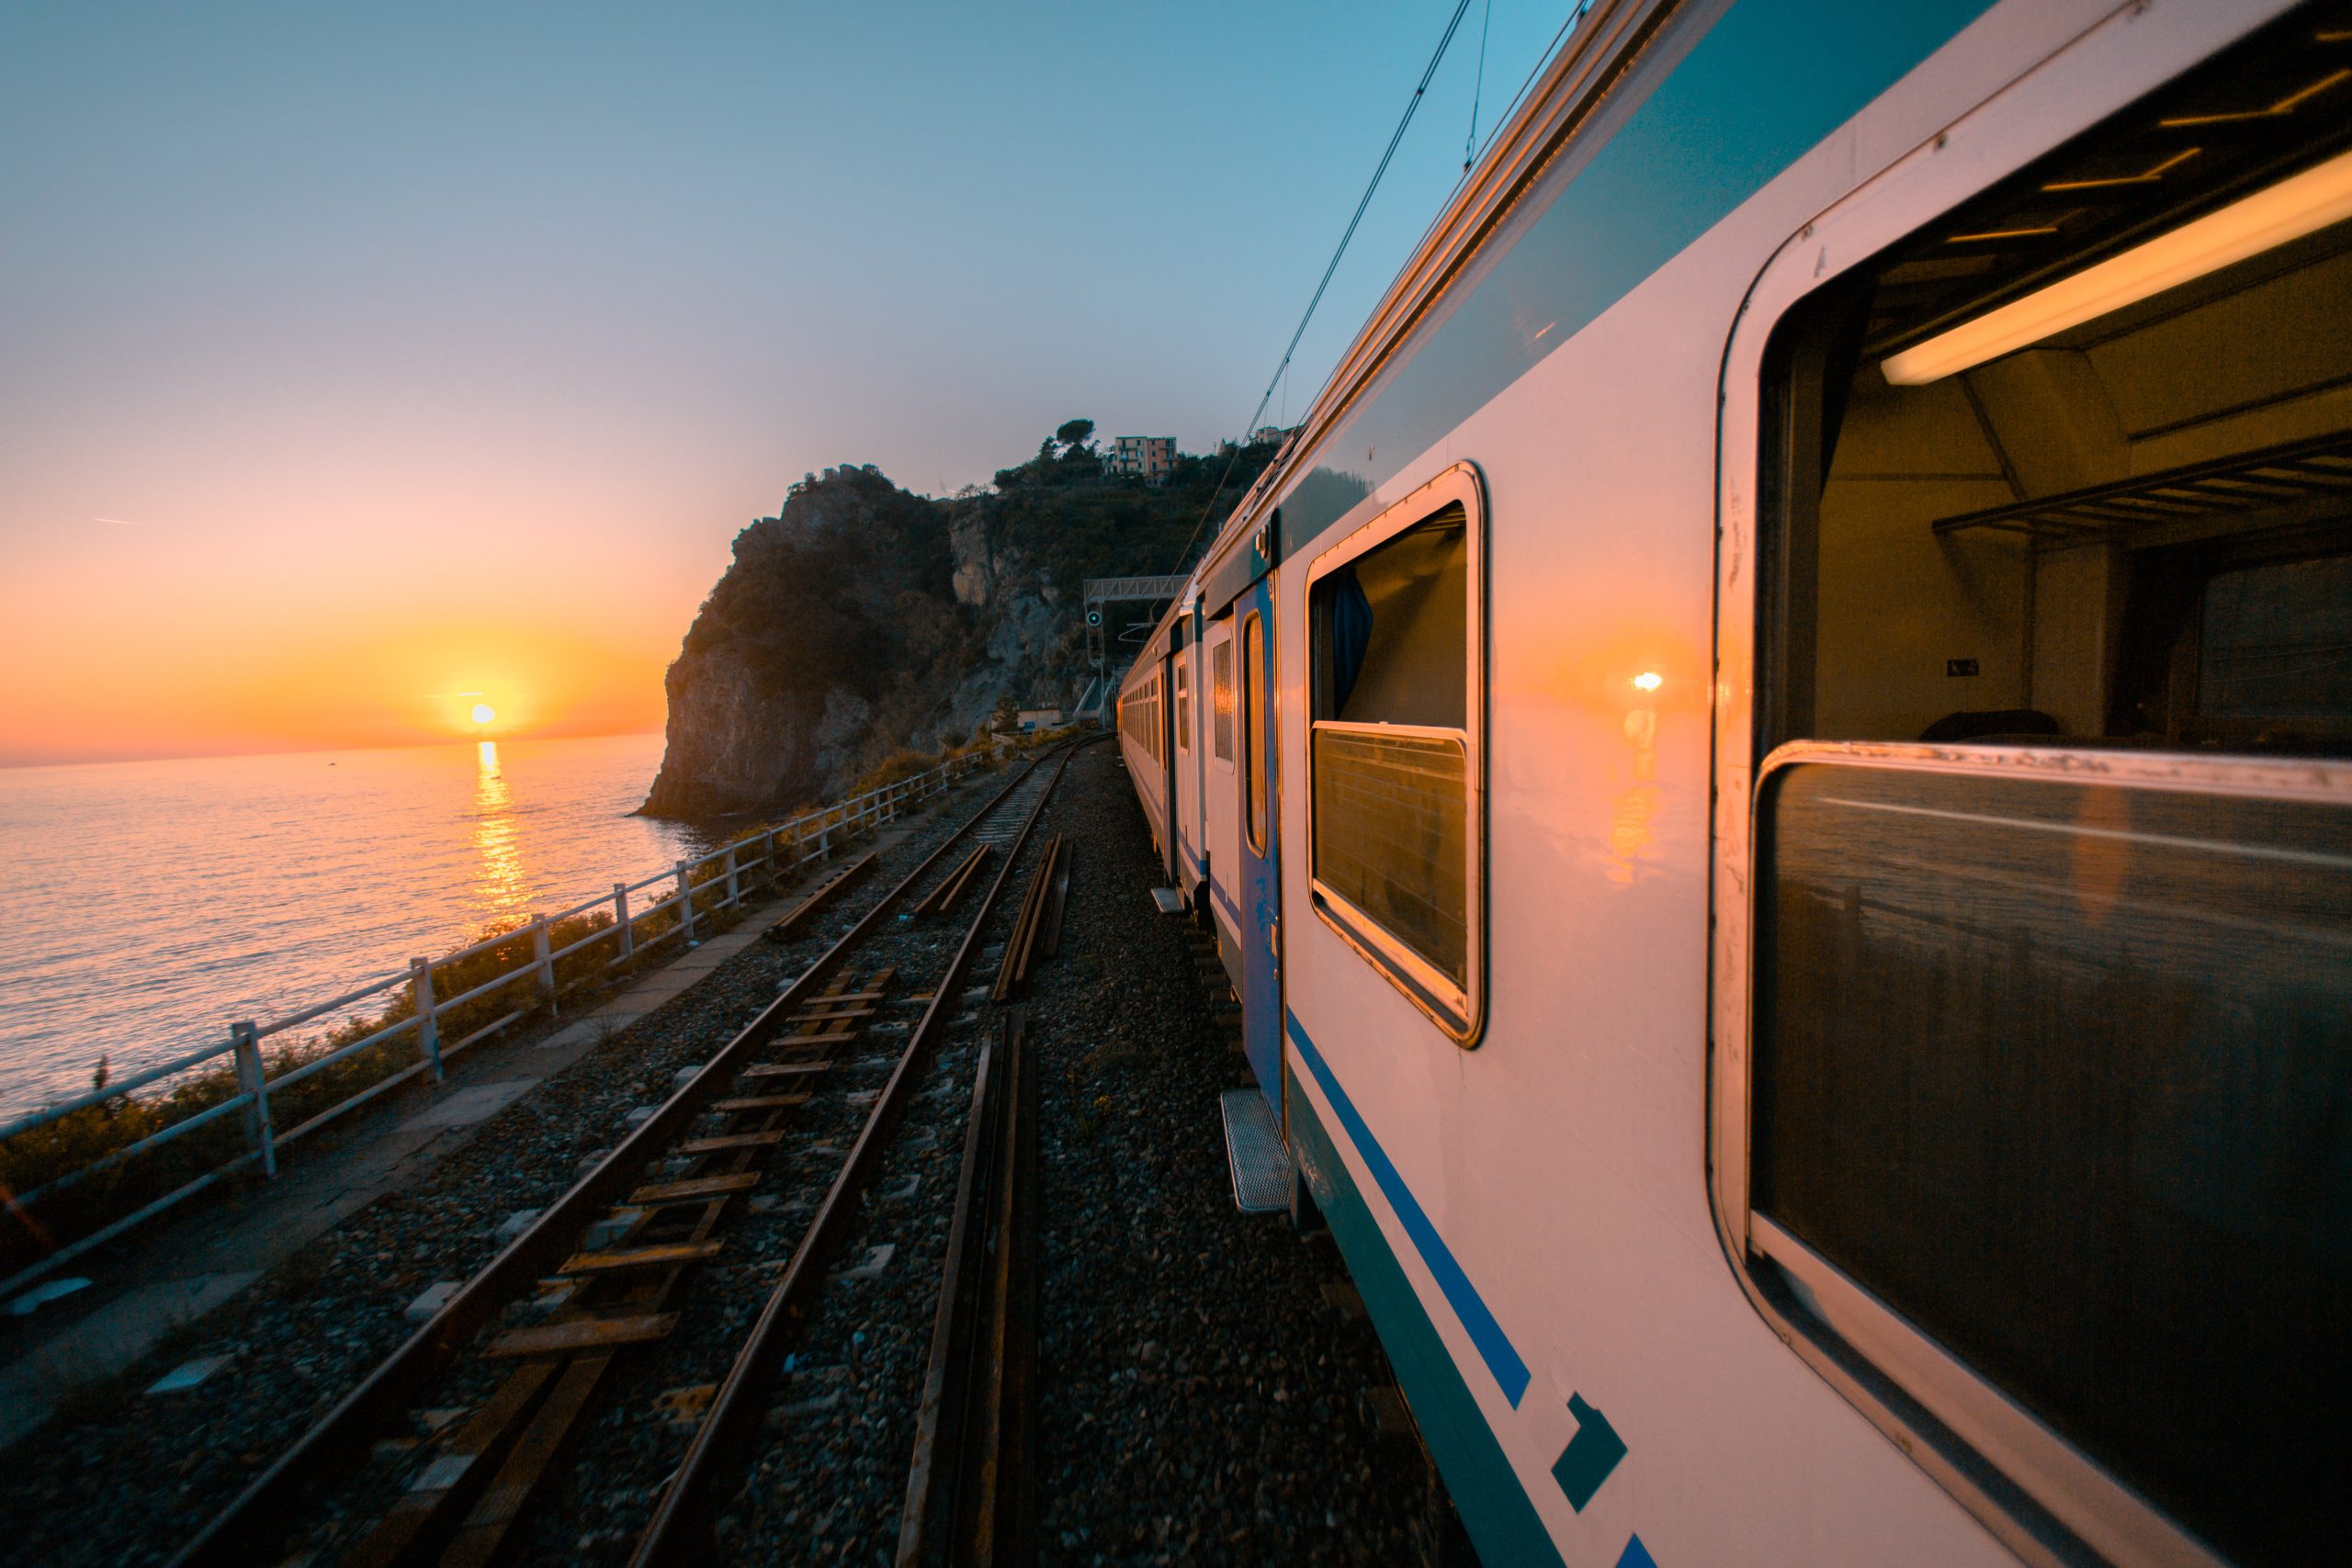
{"points": [[620, 919], [733, 891], [767, 858], [542, 959], [258, 1132], [428, 1026], [824, 840], [687, 903]]}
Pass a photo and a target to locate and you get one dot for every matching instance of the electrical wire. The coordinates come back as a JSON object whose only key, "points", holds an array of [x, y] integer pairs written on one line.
{"points": [[1411, 105], [1479, 88]]}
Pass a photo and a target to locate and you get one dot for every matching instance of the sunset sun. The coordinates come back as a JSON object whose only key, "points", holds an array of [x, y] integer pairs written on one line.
{"points": [[484, 713]]}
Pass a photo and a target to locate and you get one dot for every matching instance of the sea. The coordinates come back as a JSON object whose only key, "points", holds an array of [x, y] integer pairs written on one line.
{"points": [[146, 905]]}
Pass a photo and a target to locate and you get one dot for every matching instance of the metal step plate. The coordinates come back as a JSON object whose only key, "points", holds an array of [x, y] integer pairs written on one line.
{"points": [[1254, 1153], [1170, 902]]}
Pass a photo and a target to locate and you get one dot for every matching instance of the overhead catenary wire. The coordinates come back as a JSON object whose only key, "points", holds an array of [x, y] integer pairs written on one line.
{"points": [[1389, 153], [1550, 50], [1477, 88]]}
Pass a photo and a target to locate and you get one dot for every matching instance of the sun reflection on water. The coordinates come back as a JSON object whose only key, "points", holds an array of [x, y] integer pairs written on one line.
{"points": [[500, 883]]}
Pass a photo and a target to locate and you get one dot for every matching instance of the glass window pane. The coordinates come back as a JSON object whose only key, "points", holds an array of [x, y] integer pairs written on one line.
{"points": [[2061, 1072], [2277, 641], [1253, 765], [1391, 837], [1221, 698]]}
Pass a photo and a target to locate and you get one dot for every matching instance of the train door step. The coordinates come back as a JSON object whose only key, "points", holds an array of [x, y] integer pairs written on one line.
{"points": [[1169, 900], [1254, 1154]]}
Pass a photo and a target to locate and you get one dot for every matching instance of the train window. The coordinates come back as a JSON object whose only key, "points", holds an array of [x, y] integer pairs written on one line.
{"points": [[1394, 835], [2049, 1105], [1183, 704], [1253, 761], [1221, 699]]}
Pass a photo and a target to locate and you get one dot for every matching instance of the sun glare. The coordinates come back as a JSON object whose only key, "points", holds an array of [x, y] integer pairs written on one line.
{"points": [[484, 713]]}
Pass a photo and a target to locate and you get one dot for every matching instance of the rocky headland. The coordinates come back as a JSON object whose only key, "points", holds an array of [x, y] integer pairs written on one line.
{"points": [[863, 620]]}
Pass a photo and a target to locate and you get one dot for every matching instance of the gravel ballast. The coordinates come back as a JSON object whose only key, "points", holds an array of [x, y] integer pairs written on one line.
{"points": [[1207, 1389]]}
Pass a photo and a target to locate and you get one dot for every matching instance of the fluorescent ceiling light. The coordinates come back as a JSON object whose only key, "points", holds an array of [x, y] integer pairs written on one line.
{"points": [[2293, 208]]}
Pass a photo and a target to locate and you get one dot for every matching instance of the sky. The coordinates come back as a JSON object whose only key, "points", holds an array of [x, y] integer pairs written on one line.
{"points": [[361, 363]]}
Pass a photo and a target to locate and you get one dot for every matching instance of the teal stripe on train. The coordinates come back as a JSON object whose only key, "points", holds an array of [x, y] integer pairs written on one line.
{"points": [[1502, 1523], [1762, 86]]}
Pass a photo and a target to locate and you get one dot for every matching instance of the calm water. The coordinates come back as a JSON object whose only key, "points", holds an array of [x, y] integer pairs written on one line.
{"points": [[148, 904]]}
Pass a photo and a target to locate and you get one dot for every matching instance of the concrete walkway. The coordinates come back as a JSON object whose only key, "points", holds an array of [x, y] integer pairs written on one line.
{"points": [[150, 1285]]}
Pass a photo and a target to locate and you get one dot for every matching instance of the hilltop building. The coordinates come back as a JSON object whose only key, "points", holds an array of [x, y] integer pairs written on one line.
{"points": [[1150, 458]]}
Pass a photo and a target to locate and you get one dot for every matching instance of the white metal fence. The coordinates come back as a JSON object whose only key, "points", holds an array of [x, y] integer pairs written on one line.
{"points": [[697, 891]]}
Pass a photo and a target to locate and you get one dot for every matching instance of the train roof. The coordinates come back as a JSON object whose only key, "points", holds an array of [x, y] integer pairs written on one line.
{"points": [[1601, 56]]}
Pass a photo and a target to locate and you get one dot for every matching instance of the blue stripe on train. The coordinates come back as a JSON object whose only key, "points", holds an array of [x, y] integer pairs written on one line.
{"points": [[1502, 1523], [1494, 1346]]}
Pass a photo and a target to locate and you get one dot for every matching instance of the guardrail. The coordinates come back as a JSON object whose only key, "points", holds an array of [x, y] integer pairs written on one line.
{"points": [[700, 890]]}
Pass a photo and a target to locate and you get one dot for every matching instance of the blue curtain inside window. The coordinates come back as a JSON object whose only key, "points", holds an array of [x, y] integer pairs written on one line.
{"points": [[1350, 634]]}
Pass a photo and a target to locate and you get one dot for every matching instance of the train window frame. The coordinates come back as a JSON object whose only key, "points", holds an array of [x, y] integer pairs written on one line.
{"points": [[1184, 701], [2044, 1498], [1457, 1013], [1250, 684], [1224, 698]]}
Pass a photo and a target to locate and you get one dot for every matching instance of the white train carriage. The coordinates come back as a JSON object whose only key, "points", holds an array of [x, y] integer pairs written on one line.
{"points": [[1771, 769]]}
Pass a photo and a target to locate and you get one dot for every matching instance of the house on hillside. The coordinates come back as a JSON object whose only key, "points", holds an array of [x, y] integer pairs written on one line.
{"points": [[1150, 457]]}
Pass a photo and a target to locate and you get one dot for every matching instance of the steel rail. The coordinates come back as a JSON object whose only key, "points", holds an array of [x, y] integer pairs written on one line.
{"points": [[679, 1531], [243, 1532], [970, 1498]]}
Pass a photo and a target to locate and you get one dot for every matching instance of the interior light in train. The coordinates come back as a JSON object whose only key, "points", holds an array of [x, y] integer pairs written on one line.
{"points": [[2299, 205], [1649, 681]]}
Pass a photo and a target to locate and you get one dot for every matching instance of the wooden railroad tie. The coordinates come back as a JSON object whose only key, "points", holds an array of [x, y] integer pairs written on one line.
{"points": [[801, 1042], [784, 1070], [805, 1016], [689, 1190], [584, 1334], [666, 1254], [763, 1102], [727, 1142], [786, 926]]}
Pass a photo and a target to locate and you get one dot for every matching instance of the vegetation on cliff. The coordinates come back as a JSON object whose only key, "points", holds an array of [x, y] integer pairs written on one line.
{"points": [[865, 619]]}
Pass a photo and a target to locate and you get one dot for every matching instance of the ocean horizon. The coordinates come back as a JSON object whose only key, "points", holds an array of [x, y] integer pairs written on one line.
{"points": [[151, 903]]}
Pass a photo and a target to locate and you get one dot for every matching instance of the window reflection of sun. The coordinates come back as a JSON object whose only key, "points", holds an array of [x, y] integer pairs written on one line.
{"points": [[1630, 831], [500, 881]]}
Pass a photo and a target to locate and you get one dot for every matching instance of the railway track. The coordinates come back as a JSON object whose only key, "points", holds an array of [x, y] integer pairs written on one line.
{"points": [[658, 1252]]}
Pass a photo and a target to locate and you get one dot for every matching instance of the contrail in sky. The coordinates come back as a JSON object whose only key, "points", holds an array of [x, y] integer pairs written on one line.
{"points": [[117, 521]]}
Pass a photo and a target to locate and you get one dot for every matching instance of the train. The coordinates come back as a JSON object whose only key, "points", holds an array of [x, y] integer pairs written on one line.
{"points": [[1771, 768]]}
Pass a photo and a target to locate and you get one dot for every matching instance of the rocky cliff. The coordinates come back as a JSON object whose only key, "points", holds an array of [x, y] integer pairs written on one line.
{"points": [[863, 620]]}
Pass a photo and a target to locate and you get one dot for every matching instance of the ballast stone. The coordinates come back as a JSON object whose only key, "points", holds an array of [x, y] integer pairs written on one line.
{"points": [[437, 1296]]}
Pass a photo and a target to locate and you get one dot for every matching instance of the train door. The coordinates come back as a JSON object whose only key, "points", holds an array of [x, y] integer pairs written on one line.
{"points": [[1185, 760], [1172, 853], [1258, 882], [1220, 786]]}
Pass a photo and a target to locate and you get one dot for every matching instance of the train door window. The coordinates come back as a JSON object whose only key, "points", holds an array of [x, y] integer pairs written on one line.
{"points": [[1395, 663], [1151, 726], [1221, 699], [2049, 1105], [1253, 702], [1184, 703]]}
